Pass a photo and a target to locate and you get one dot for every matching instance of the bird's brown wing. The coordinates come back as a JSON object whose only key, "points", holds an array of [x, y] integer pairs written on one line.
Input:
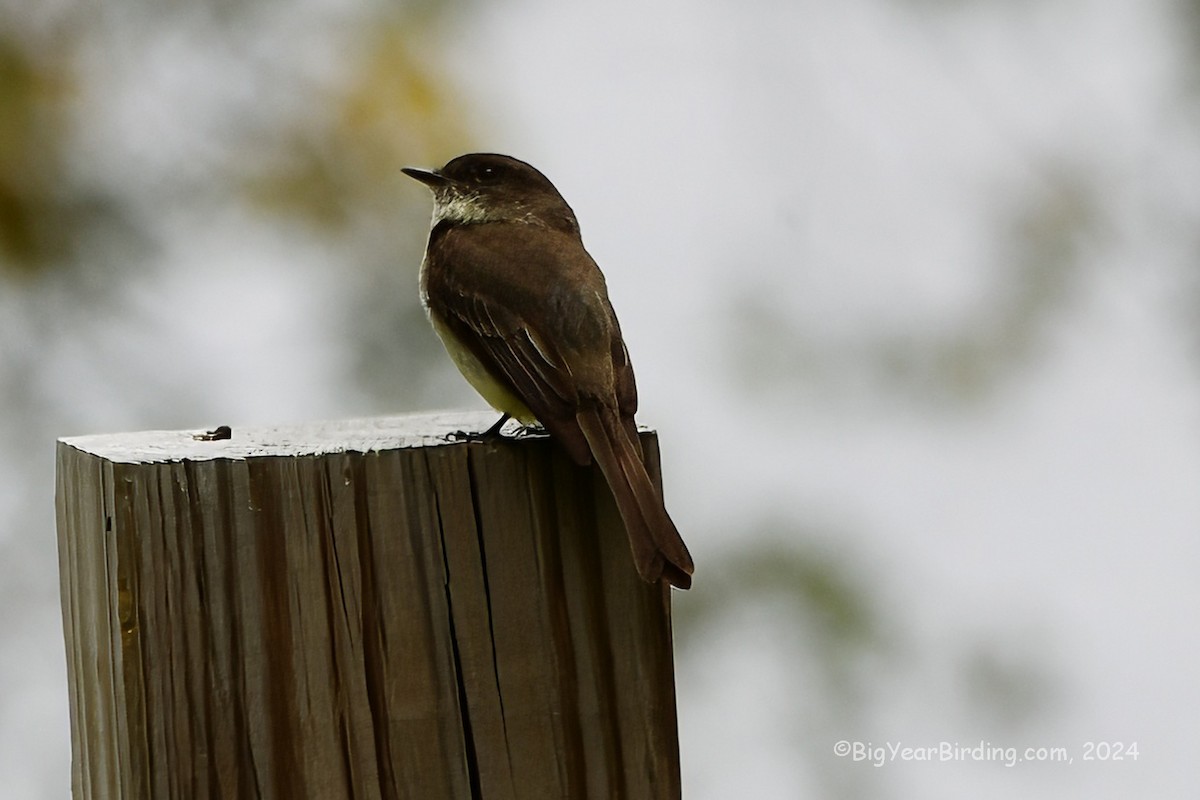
{"points": [[490, 309]]}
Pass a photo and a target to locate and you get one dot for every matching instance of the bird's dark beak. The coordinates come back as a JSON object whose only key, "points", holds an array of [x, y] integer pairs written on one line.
{"points": [[430, 177]]}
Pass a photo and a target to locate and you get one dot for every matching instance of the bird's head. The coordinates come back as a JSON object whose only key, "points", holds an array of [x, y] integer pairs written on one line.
{"points": [[486, 187]]}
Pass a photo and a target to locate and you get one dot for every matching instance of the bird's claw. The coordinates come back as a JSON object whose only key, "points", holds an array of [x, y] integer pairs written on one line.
{"points": [[479, 436], [467, 436], [529, 430]]}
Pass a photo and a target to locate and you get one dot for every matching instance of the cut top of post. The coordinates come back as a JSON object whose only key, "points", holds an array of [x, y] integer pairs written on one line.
{"points": [[307, 438]]}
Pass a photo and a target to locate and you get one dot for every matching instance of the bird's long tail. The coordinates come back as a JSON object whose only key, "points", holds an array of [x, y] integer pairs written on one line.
{"points": [[658, 549]]}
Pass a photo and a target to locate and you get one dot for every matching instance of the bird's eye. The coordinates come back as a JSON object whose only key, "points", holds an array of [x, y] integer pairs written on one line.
{"points": [[487, 173]]}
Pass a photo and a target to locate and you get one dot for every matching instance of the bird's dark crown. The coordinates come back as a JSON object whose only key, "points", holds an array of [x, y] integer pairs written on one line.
{"points": [[492, 169]]}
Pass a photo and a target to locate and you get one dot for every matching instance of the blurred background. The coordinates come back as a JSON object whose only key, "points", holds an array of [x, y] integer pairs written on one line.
{"points": [[911, 287]]}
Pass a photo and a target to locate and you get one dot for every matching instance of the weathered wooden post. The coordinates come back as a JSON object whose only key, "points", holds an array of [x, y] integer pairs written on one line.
{"points": [[357, 610]]}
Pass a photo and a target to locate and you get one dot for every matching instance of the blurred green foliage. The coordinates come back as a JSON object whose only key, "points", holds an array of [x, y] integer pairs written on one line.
{"points": [[818, 591], [39, 218], [329, 169], [1040, 263], [342, 163]]}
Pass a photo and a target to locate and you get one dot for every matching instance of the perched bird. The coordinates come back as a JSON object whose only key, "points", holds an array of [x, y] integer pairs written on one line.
{"points": [[523, 311]]}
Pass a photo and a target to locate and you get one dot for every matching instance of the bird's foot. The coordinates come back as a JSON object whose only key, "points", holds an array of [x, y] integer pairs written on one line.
{"points": [[478, 436], [536, 429]]}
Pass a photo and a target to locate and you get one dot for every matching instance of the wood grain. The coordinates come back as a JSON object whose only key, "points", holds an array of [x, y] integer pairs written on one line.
{"points": [[357, 609]]}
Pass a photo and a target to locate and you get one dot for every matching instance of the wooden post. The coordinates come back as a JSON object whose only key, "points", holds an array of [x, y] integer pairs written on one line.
{"points": [[357, 610]]}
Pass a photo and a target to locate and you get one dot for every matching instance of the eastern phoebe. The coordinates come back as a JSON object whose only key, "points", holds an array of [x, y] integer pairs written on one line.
{"points": [[523, 311]]}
